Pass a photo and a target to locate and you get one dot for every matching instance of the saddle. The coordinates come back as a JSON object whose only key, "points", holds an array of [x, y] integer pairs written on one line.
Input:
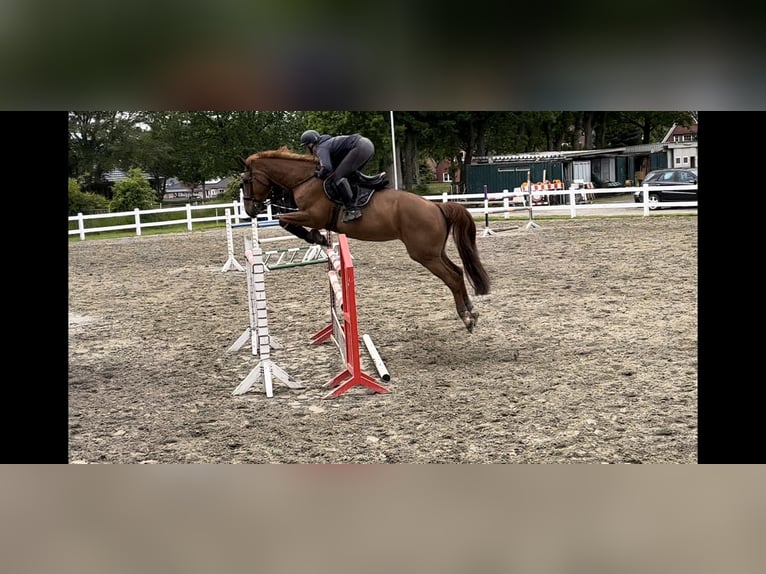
{"points": [[377, 181], [362, 185]]}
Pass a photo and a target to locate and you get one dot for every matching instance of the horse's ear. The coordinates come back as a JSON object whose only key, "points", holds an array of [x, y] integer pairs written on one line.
{"points": [[242, 163]]}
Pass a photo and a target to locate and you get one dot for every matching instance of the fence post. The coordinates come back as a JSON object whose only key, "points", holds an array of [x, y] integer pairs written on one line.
{"points": [[506, 204], [137, 213], [81, 226], [188, 217], [645, 197], [572, 202]]}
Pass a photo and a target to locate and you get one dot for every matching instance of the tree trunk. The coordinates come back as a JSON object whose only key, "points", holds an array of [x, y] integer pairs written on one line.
{"points": [[587, 128], [410, 161]]}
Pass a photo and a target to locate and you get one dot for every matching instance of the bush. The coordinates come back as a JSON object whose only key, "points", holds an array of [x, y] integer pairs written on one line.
{"points": [[83, 202], [133, 192], [232, 191]]}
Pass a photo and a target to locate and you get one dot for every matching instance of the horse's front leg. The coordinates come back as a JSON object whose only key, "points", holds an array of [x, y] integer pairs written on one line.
{"points": [[300, 218], [308, 235], [316, 236]]}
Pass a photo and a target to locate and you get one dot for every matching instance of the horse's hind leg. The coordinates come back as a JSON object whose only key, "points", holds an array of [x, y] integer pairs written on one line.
{"points": [[466, 310], [452, 276]]}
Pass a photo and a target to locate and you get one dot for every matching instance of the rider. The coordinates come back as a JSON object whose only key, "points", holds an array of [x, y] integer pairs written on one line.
{"points": [[340, 156]]}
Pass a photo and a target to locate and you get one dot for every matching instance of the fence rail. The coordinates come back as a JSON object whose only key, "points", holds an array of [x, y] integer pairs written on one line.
{"points": [[494, 203], [187, 218]]}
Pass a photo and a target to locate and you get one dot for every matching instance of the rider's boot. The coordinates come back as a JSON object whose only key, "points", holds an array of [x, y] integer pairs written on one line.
{"points": [[350, 213]]}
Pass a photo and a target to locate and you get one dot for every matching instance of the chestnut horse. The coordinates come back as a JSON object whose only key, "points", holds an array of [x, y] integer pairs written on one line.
{"points": [[390, 214]]}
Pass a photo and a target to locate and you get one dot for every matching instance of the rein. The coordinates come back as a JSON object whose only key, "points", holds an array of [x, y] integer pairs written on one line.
{"points": [[270, 183]]}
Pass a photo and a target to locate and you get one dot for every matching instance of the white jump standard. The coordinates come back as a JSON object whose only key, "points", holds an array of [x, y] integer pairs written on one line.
{"points": [[231, 261], [261, 342]]}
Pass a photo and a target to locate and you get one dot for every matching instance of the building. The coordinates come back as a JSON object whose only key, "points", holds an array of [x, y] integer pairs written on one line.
{"points": [[623, 166], [682, 146], [175, 189]]}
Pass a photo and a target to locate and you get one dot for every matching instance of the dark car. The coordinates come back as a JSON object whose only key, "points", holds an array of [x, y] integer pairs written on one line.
{"points": [[663, 185]]}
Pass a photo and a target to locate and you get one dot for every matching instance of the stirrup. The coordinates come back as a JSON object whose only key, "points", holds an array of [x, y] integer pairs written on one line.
{"points": [[351, 214]]}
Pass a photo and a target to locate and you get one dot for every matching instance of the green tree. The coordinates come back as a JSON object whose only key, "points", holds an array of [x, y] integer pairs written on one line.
{"points": [[132, 192], [99, 142], [652, 125], [202, 145], [211, 144], [155, 150], [456, 136], [85, 203], [232, 191]]}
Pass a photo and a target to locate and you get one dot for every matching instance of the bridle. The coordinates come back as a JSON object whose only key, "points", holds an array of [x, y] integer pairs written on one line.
{"points": [[267, 183], [252, 177]]}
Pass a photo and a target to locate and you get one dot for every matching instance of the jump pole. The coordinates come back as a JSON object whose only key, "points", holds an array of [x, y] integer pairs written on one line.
{"points": [[343, 328], [375, 356], [259, 328], [274, 259]]}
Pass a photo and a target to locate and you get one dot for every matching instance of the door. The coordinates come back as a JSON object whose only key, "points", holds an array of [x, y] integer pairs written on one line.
{"points": [[581, 171]]}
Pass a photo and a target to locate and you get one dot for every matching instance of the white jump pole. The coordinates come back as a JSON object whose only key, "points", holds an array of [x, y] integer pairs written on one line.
{"points": [[375, 356]]}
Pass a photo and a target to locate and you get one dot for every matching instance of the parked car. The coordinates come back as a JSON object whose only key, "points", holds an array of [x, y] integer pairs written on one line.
{"points": [[663, 186]]}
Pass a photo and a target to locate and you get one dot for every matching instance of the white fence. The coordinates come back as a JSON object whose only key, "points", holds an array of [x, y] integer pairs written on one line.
{"points": [[494, 203], [570, 201], [236, 208]]}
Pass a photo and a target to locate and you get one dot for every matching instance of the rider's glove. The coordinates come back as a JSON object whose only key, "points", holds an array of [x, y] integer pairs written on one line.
{"points": [[322, 172]]}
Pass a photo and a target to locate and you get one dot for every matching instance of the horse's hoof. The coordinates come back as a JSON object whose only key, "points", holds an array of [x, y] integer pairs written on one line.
{"points": [[317, 238]]}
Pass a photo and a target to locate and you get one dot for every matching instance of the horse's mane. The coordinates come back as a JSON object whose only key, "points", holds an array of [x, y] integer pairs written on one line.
{"points": [[282, 153]]}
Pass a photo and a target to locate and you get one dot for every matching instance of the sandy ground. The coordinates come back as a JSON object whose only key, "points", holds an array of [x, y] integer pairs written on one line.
{"points": [[585, 352]]}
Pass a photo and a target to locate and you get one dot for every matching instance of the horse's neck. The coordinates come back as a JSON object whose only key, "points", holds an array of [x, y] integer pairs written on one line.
{"points": [[292, 172]]}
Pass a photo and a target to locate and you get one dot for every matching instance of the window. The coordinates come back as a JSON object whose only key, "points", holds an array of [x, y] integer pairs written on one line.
{"points": [[678, 161], [445, 177], [686, 160], [686, 177]]}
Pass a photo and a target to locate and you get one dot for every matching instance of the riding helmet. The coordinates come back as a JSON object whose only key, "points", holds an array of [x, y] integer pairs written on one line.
{"points": [[309, 137]]}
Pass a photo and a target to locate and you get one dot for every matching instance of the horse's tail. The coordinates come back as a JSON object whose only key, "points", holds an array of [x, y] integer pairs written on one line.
{"points": [[464, 236]]}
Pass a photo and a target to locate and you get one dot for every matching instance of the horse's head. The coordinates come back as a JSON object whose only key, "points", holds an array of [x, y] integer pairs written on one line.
{"points": [[267, 170], [256, 187]]}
